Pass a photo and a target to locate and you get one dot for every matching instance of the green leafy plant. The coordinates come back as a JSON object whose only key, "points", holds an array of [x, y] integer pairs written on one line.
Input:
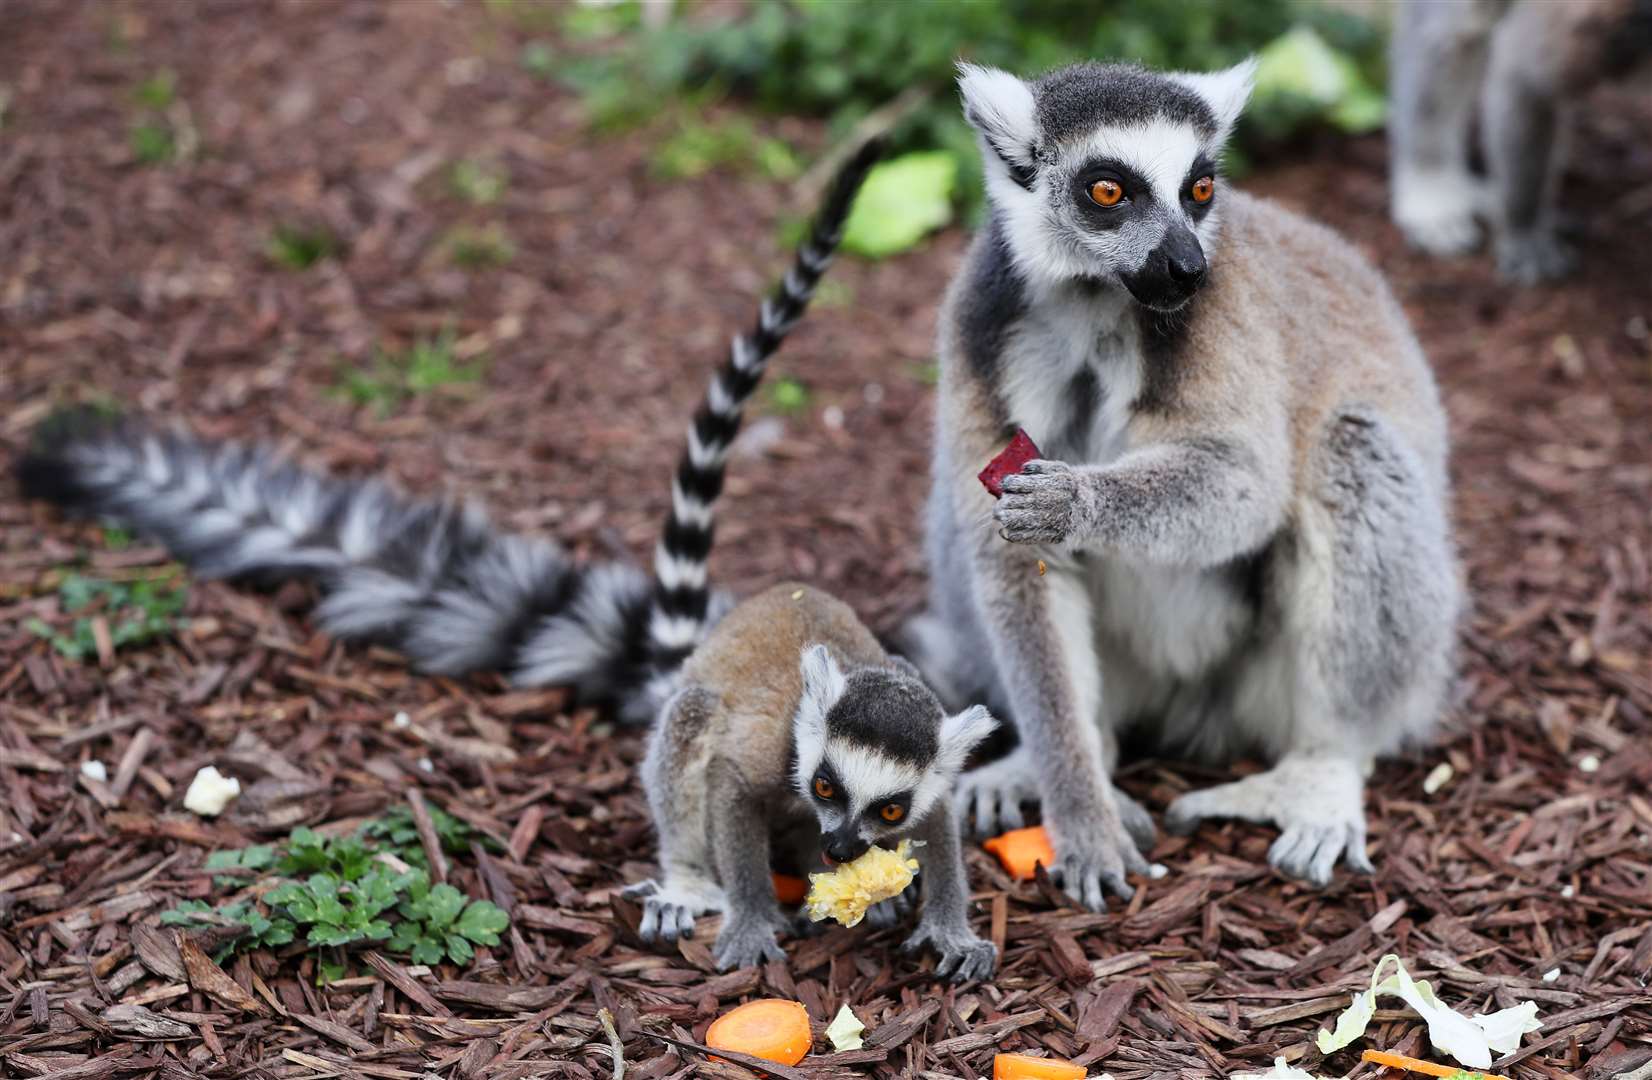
{"points": [[334, 893], [696, 147], [900, 202], [477, 183], [299, 247], [395, 830], [429, 365], [842, 59], [137, 612]]}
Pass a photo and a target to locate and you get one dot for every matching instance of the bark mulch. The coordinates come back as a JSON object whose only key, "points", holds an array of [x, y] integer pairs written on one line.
{"points": [[1527, 875]]}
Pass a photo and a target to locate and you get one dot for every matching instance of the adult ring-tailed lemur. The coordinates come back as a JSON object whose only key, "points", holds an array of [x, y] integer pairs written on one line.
{"points": [[1520, 67], [1243, 510]]}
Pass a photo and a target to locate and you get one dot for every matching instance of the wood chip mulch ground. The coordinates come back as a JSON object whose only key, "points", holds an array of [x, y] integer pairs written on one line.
{"points": [[1527, 875]]}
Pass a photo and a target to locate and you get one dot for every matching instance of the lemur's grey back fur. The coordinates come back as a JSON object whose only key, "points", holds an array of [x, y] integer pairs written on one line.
{"points": [[433, 578]]}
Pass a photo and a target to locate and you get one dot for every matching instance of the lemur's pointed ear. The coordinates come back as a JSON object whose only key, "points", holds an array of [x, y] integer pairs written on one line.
{"points": [[823, 680], [1000, 107], [823, 684], [1225, 91], [961, 733]]}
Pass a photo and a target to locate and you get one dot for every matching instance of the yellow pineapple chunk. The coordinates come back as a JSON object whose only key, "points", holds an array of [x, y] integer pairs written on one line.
{"points": [[844, 893]]}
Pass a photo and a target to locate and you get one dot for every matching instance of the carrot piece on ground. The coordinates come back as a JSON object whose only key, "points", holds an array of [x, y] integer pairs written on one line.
{"points": [[790, 890], [771, 1028], [1417, 1065], [1020, 850], [1022, 1067]]}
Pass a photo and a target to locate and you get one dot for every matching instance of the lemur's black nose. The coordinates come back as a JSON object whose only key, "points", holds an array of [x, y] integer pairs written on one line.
{"points": [[842, 847], [1186, 263]]}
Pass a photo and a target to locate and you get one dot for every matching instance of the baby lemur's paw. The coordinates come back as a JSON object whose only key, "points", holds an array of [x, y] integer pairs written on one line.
{"points": [[668, 913], [1316, 803], [964, 956], [1531, 258], [1038, 504], [886, 913], [745, 942]]}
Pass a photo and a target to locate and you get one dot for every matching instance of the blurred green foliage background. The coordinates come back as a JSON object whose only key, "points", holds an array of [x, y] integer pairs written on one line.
{"points": [[846, 60]]}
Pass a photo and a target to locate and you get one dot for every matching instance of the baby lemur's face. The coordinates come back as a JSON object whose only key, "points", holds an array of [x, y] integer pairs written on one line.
{"points": [[1107, 172], [874, 751]]}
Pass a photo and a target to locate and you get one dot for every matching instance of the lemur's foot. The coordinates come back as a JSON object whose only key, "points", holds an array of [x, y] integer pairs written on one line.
{"points": [[669, 911], [1092, 855], [749, 940], [1435, 211], [996, 791], [1137, 822], [886, 913], [1535, 256], [1316, 802], [963, 955]]}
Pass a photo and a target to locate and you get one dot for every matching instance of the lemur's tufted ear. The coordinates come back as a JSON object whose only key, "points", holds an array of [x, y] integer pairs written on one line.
{"points": [[1225, 91], [1000, 107], [960, 734]]}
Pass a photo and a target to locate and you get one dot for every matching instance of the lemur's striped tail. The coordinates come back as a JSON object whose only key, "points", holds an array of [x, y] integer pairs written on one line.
{"points": [[434, 579], [681, 599]]}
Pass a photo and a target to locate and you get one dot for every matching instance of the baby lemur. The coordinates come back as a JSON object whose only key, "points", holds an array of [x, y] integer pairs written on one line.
{"points": [[789, 707], [1520, 66], [1243, 511], [828, 754]]}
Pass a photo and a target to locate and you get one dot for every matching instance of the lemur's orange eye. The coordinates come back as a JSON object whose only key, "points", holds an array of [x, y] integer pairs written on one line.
{"points": [[1106, 192], [1202, 189], [892, 812], [824, 788]]}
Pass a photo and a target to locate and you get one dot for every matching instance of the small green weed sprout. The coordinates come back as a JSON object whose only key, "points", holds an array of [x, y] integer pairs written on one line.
{"points": [[298, 247], [477, 249], [137, 612], [429, 365], [477, 183]]}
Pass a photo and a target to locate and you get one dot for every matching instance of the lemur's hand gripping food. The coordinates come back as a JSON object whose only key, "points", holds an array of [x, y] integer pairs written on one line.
{"points": [[770, 1028], [1020, 451], [845, 892]]}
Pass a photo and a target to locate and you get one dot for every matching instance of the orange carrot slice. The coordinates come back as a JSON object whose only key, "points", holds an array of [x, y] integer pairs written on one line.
{"points": [[1417, 1065], [790, 890], [771, 1028], [1021, 850], [1023, 1067]]}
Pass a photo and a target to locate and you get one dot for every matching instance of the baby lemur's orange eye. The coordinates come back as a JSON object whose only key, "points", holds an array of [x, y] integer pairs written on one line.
{"points": [[1202, 189], [1106, 192], [892, 812], [824, 788]]}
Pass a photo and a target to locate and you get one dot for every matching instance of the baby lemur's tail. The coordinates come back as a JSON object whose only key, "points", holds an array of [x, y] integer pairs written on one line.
{"points": [[433, 579]]}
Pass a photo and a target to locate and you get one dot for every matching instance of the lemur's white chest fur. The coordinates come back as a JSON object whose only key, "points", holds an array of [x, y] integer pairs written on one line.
{"points": [[1072, 373]]}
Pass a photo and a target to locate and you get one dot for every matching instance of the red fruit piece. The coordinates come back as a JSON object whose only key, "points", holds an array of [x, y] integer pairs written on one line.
{"points": [[1020, 451]]}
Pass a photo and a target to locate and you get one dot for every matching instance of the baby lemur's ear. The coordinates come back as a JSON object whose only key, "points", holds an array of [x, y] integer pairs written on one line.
{"points": [[823, 684], [1001, 107], [961, 733]]}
